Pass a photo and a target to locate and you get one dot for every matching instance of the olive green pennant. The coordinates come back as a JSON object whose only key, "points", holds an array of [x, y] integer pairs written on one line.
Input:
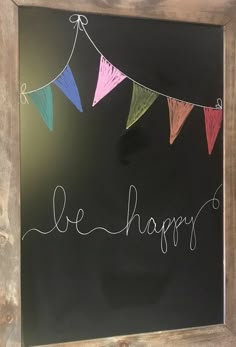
{"points": [[142, 99]]}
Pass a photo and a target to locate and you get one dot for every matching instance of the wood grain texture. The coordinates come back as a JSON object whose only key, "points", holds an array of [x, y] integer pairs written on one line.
{"points": [[215, 336], [198, 11], [9, 178], [230, 174]]}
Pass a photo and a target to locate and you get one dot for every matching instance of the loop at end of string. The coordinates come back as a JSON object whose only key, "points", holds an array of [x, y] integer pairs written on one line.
{"points": [[219, 104], [23, 98], [79, 20]]}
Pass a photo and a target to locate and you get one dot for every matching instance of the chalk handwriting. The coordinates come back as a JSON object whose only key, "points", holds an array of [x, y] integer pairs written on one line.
{"points": [[170, 224]]}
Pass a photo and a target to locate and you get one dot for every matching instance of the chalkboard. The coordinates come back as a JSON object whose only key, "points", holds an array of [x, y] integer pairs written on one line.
{"points": [[120, 269]]}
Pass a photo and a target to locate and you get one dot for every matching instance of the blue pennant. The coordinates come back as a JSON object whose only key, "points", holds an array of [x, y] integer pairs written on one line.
{"points": [[42, 99], [66, 83]]}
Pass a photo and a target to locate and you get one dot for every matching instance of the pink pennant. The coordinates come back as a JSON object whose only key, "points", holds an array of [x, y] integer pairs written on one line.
{"points": [[109, 77], [178, 113], [213, 120]]}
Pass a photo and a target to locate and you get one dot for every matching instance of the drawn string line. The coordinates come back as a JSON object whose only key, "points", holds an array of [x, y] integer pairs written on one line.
{"points": [[78, 27], [80, 21]]}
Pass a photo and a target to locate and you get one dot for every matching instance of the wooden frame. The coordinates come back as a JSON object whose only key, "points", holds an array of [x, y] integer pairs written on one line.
{"points": [[221, 12]]}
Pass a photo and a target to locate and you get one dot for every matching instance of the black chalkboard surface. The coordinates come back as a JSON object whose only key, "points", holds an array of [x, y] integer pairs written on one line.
{"points": [[120, 278]]}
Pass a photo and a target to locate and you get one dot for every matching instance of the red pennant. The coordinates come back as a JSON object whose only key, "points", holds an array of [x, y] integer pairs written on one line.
{"points": [[213, 120]]}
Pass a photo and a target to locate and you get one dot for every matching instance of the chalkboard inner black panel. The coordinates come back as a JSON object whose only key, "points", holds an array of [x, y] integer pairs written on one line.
{"points": [[78, 287]]}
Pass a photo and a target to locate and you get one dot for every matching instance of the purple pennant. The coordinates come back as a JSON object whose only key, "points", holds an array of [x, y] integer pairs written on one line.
{"points": [[66, 83]]}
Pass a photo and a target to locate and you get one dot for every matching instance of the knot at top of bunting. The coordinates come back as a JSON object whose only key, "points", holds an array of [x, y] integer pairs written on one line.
{"points": [[23, 98], [79, 20], [219, 104]]}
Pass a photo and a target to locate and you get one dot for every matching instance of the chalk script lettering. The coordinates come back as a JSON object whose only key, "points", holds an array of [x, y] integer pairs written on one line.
{"points": [[171, 224]]}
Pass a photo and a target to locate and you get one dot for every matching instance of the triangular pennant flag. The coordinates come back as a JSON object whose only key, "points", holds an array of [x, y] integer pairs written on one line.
{"points": [[109, 77], [66, 83], [142, 99], [42, 99], [213, 120], [178, 113]]}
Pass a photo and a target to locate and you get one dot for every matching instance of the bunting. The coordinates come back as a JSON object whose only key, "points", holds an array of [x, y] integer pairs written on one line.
{"points": [[213, 120], [178, 113], [142, 99], [66, 83], [42, 100], [108, 78]]}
